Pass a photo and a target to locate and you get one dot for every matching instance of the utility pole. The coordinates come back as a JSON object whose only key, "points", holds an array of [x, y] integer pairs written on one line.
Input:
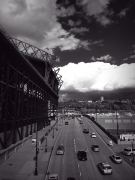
{"points": [[37, 149], [45, 144], [117, 124], [53, 133], [96, 112]]}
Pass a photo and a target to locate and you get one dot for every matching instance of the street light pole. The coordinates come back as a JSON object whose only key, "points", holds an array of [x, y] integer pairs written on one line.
{"points": [[36, 156], [117, 124], [53, 133], [96, 112], [45, 144]]}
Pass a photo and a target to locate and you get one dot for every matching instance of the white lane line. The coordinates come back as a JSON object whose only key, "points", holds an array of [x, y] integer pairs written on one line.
{"points": [[80, 173], [74, 145], [78, 165]]}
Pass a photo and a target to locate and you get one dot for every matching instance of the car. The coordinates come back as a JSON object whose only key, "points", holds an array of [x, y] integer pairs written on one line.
{"points": [[85, 130], [116, 158], [66, 123], [129, 151], [33, 141], [70, 178], [82, 155], [104, 168], [110, 143], [93, 135], [81, 122], [53, 177], [60, 150], [95, 148]]}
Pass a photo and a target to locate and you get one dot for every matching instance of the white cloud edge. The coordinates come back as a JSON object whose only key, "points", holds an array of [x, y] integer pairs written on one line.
{"points": [[85, 77]]}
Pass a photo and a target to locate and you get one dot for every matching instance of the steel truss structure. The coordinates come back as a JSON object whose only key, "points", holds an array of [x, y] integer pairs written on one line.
{"points": [[29, 89]]}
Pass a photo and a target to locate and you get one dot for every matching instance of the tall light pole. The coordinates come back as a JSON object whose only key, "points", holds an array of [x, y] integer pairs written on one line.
{"points": [[96, 111], [36, 155], [53, 133], [117, 124], [45, 144]]}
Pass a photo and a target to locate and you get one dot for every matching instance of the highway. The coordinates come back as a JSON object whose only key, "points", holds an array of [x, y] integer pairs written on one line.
{"points": [[73, 139]]}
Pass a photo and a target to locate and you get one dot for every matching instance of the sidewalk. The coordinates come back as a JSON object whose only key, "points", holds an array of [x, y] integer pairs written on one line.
{"points": [[21, 165]]}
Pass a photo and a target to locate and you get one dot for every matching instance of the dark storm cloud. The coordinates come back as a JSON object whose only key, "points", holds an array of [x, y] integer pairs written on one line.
{"points": [[112, 21]]}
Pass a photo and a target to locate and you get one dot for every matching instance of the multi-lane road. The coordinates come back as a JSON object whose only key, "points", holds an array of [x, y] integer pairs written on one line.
{"points": [[73, 139]]}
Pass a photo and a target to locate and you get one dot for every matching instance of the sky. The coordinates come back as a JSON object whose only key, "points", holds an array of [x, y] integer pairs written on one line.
{"points": [[94, 40]]}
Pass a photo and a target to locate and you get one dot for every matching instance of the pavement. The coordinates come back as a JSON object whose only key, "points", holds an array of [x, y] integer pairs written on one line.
{"points": [[21, 165]]}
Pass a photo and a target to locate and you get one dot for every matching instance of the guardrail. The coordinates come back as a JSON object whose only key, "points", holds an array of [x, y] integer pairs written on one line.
{"points": [[102, 128]]}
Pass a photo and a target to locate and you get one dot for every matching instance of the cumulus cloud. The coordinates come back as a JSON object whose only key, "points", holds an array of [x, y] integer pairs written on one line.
{"points": [[36, 22], [123, 12], [105, 58], [85, 77], [98, 9], [64, 12], [79, 30]]}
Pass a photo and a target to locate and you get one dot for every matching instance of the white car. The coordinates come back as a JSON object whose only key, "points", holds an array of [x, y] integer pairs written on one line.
{"points": [[95, 148], [115, 158], [110, 143], [104, 168], [93, 135], [33, 141]]}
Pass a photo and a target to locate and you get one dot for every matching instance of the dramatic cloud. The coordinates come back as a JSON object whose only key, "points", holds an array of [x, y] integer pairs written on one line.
{"points": [[85, 77], [36, 22]]}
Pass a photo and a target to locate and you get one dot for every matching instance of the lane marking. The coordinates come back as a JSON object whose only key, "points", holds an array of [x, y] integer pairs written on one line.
{"points": [[78, 165], [74, 145], [80, 173]]}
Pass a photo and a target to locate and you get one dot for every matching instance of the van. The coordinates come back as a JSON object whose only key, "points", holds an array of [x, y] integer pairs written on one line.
{"points": [[129, 151]]}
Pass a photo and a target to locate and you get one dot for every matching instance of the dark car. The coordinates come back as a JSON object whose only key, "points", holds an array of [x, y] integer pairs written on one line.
{"points": [[95, 148], [66, 123], [70, 178], [85, 130], [82, 155]]}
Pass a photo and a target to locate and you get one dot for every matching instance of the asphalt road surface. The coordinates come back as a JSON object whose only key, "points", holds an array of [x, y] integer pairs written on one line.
{"points": [[73, 139]]}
